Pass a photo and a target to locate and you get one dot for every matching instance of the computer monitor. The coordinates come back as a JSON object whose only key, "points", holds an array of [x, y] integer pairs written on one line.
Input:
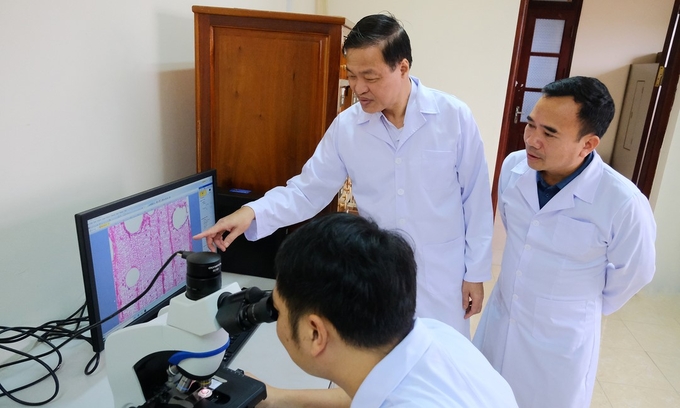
{"points": [[123, 244]]}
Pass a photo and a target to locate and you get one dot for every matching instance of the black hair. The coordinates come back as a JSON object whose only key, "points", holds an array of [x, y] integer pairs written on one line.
{"points": [[384, 31], [359, 277], [596, 104]]}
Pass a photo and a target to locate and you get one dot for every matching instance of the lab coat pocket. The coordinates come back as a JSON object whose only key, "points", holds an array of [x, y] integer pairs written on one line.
{"points": [[560, 324], [573, 237], [443, 266], [438, 169]]}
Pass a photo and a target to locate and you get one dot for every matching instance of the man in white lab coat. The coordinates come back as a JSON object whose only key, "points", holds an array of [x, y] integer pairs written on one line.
{"points": [[346, 296], [580, 243], [416, 161]]}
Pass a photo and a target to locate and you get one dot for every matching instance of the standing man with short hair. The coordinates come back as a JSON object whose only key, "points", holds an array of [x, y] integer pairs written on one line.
{"points": [[580, 243], [416, 161], [346, 297]]}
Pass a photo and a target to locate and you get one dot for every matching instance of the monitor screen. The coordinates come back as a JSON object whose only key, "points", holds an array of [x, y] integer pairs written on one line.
{"points": [[123, 245]]}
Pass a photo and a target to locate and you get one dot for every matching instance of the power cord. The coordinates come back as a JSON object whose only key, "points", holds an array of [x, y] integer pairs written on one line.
{"points": [[54, 330]]}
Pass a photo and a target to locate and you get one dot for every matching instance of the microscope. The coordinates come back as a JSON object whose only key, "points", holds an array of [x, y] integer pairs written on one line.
{"points": [[170, 361]]}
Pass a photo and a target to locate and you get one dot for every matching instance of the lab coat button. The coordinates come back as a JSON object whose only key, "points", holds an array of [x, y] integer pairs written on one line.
{"points": [[527, 247], [512, 321], [519, 273], [397, 160], [515, 297], [402, 221], [535, 223], [400, 191]]}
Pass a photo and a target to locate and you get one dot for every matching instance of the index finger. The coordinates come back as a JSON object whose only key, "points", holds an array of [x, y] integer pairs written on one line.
{"points": [[205, 234]]}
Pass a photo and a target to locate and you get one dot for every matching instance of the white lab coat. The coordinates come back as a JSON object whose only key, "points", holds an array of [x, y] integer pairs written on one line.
{"points": [[434, 186], [585, 253], [434, 366]]}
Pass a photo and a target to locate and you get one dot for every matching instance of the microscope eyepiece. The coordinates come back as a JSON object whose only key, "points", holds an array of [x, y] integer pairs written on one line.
{"points": [[239, 312], [260, 312]]}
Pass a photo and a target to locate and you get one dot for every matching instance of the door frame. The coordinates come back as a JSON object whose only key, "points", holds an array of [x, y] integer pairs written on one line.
{"points": [[509, 99], [658, 116], [660, 107], [567, 12]]}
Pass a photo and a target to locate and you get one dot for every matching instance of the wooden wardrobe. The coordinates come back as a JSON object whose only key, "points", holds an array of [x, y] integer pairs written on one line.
{"points": [[268, 85]]}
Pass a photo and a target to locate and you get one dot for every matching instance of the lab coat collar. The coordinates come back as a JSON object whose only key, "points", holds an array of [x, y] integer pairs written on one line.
{"points": [[420, 102], [391, 370], [527, 183], [583, 187], [586, 184]]}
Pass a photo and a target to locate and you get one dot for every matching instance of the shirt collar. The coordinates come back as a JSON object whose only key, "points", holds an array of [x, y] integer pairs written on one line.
{"points": [[562, 183]]}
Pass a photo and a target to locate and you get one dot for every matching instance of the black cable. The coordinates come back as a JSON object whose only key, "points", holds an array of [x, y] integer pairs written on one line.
{"points": [[94, 362], [51, 372], [130, 303], [55, 329]]}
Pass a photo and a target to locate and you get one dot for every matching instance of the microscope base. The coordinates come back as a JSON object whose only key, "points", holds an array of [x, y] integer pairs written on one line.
{"points": [[232, 390]]}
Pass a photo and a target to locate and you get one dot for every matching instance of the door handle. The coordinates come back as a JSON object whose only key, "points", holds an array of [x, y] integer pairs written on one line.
{"points": [[518, 114]]}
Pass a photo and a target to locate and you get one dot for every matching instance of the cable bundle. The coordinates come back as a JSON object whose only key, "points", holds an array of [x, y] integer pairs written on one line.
{"points": [[56, 330], [45, 334]]}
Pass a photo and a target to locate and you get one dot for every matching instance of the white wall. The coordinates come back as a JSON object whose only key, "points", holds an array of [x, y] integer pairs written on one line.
{"points": [[665, 198], [612, 34], [96, 103]]}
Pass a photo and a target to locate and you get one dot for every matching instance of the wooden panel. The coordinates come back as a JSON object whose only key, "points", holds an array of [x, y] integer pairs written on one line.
{"points": [[269, 15], [266, 91], [268, 113]]}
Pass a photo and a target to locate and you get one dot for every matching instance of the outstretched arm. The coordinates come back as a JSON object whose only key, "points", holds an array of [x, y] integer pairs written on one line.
{"points": [[235, 223], [328, 398]]}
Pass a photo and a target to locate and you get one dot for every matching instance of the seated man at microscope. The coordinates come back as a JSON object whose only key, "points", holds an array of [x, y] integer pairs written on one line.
{"points": [[346, 296]]}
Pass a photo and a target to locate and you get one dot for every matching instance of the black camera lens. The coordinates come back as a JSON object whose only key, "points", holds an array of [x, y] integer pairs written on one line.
{"points": [[204, 274]]}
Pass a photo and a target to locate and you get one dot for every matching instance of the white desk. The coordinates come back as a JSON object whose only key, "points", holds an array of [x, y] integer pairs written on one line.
{"points": [[263, 355]]}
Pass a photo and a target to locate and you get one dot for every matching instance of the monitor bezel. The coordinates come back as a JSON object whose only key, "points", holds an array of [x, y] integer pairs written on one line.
{"points": [[85, 249]]}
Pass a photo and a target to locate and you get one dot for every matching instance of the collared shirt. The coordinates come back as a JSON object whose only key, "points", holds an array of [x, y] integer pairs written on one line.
{"points": [[546, 191], [434, 366]]}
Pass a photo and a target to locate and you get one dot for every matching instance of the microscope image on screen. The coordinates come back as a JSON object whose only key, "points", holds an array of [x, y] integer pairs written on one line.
{"points": [[140, 245], [123, 244]]}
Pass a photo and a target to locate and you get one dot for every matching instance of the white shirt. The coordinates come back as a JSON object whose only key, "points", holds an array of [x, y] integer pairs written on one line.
{"points": [[433, 186], [586, 252], [434, 366]]}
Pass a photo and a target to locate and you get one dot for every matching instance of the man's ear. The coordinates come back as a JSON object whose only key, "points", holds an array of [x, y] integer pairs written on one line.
{"points": [[590, 142], [318, 341], [404, 67]]}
